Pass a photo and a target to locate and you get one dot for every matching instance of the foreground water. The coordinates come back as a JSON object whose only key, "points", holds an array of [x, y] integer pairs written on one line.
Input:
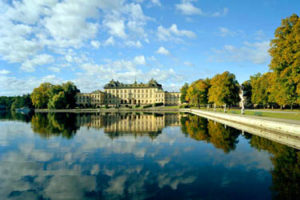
{"points": [[140, 156]]}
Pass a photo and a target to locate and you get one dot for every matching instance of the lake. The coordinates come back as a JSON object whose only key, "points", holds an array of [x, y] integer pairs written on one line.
{"points": [[140, 156]]}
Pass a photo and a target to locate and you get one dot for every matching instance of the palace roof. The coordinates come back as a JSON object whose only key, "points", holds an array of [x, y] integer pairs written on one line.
{"points": [[118, 85]]}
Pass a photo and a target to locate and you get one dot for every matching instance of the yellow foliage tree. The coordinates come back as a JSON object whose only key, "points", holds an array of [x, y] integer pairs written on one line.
{"points": [[285, 52]]}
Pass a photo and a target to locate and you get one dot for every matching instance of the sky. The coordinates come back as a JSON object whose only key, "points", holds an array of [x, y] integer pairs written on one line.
{"points": [[173, 41]]}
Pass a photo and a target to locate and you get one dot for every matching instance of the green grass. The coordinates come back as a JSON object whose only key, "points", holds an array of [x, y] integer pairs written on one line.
{"points": [[292, 116]]}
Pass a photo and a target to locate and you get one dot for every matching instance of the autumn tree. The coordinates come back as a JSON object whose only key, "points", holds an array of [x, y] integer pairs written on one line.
{"points": [[183, 92], [263, 89], [55, 96], [197, 92], [40, 95], [285, 62], [224, 90]]}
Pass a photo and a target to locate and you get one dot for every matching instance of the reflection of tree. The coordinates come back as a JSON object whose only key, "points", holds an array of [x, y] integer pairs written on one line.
{"points": [[10, 115], [286, 172], [223, 137], [51, 124], [199, 128], [195, 127]]}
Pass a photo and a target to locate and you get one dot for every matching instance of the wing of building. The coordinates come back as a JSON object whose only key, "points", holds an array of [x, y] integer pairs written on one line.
{"points": [[118, 94]]}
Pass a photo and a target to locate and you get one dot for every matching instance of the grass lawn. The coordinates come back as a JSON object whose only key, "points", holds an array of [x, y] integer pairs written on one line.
{"points": [[293, 115]]}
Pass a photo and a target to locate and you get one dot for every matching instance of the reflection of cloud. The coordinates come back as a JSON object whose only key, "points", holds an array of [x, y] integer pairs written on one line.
{"points": [[69, 187], [116, 186], [163, 162], [174, 180], [59, 169]]}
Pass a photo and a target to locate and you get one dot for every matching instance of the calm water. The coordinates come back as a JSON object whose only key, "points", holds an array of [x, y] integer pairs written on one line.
{"points": [[140, 156]]}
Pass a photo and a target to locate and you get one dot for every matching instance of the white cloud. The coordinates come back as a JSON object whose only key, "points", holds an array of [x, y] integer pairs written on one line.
{"points": [[116, 27], [68, 22], [54, 69], [95, 44], [156, 2], [140, 60], [28, 28], [10, 85], [42, 59], [173, 33], [189, 64], [4, 72], [256, 53], [187, 8], [136, 44], [123, 70], [109, 41], [222, 13], [226, 32], [162, 50]]}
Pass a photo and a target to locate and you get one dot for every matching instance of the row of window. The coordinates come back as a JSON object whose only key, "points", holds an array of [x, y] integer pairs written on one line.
{"points": [[130, 90]]}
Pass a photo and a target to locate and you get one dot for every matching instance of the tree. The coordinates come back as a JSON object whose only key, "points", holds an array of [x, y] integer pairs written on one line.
{"points": [[197, 92], [70, 91], [224, 90], [263, 89], [22, 101], [40, 95], [58, 101], [183, 92], [285, 62], [55, 96]]}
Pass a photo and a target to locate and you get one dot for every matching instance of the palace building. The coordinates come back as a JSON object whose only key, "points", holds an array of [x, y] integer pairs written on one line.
{"points": [[118, 94]]}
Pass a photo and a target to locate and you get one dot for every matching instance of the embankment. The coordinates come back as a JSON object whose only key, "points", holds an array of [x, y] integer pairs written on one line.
{"points": [[286, 127]]}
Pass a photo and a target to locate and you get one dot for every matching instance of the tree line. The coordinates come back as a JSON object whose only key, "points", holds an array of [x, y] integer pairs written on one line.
{"points": [[45, 96], [11, 103], [280, 87]]}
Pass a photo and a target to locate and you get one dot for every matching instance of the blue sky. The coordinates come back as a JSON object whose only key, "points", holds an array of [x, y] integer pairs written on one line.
{"points": [[92, 42]]}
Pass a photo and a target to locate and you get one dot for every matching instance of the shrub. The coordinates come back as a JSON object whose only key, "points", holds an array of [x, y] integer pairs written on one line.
{"points": [[158, 104], [147, 106], [184, 106]]}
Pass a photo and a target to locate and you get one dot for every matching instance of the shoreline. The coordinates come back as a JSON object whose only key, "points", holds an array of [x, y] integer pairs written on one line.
{"points": [[287, 127]]}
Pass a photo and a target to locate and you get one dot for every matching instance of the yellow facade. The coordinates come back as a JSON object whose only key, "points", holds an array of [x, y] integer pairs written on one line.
{"points": [[118, 94], [117, 124], [94, 99]]}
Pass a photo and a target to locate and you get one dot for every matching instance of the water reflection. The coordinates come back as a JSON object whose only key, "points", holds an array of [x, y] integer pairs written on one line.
{"points": [[220, 136], [141, 156]]}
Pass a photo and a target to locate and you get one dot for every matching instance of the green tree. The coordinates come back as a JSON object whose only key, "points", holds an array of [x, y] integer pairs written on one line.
{"points": [[183, 92], [197, 92], [263, 92], [55, 96], [22, 101], [285, 62], [70, 91], [40, 95], [58, 101], [224, 90]]}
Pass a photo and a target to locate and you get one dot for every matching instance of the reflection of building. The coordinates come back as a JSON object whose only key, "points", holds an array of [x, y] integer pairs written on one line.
{"points": [[116, 124], [116, 93]]}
